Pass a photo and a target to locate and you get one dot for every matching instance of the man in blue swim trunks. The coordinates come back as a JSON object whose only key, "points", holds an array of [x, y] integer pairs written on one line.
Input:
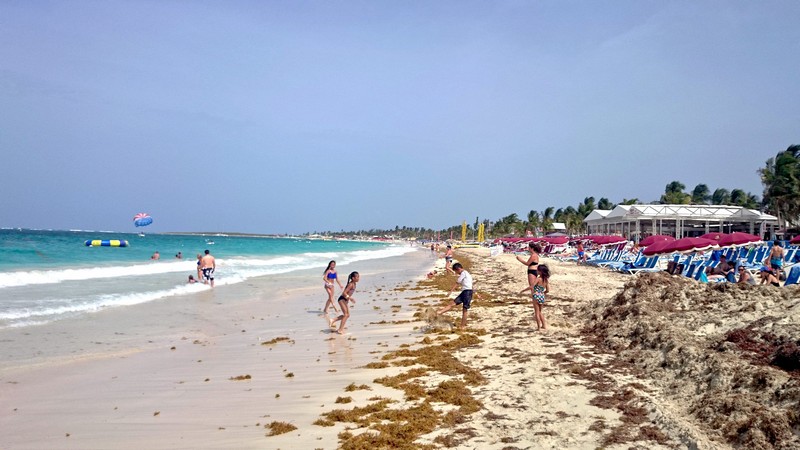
{"points": [[776, 255], [464, 298]]}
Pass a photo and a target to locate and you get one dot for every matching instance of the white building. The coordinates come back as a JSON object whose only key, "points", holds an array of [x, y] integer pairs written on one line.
{"points": [[638, 221]]}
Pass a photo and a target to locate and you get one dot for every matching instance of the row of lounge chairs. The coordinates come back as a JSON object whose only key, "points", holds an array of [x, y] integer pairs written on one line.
{"points": [[617, 258]]}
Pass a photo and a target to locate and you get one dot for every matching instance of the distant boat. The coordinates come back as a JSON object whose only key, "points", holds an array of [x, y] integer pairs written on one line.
{"points": [[141, 234], [209, 242]]}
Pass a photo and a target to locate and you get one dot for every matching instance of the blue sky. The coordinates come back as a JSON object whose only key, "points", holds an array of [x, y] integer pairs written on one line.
{"points": [[291, 117]]}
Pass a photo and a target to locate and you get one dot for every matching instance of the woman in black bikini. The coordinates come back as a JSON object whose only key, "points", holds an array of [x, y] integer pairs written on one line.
{"points": [[767, 277], [532, 263], [344, 301]]}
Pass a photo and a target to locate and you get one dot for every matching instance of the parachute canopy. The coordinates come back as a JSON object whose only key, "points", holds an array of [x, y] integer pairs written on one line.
{"points": [[142, 220]]}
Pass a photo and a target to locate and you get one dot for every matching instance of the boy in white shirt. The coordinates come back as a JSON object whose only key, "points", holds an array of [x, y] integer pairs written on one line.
{"points": [[464, 298]]}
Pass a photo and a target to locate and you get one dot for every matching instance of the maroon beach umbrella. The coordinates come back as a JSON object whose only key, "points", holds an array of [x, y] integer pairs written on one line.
{"points": [[738, 239], [713, 236], [658, 248], [691, 244], [606, 240], [795, 240], [649, 240]]}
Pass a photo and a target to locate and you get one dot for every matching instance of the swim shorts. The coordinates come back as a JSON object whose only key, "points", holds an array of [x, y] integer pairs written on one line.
{"points": [[464, 298], [208, 273]]}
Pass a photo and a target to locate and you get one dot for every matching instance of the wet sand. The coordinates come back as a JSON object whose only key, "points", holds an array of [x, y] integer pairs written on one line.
{"points": [[194, 371]]}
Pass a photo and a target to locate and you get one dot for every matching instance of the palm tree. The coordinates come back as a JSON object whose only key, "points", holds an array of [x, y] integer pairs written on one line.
{"points": [[586, 206], [781, 180], [547, 218], [721, 196], [674, 195], [701, 195], [534, 221], [604, 203]]}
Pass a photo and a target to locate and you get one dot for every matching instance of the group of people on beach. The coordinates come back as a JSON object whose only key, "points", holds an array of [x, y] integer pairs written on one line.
{"points": [[206, 266], [345, 299], [538, 283]]}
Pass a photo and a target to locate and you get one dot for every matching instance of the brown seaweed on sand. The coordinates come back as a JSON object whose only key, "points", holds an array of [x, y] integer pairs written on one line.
{"points": [[727, 353]]}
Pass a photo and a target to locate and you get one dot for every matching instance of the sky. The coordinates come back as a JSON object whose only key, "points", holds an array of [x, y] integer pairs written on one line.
{"points": [[303, 116]]}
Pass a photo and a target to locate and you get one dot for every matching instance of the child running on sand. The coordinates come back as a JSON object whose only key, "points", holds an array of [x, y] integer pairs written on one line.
{"points": [[539, 288], [344, 299], [464, 298]]}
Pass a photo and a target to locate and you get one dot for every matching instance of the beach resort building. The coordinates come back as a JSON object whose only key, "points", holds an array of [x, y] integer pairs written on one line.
{"points": [[638, 221]]}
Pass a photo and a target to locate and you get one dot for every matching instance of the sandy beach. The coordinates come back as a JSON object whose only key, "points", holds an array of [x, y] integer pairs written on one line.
{"points": [[208, 370], [651, 361]]}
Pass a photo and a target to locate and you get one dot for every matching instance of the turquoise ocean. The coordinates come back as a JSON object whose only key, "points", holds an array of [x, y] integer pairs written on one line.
{"points": [[48, 275]]}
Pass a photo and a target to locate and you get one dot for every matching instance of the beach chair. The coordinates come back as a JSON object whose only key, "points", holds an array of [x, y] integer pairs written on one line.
{"points": [[729, 253], [794, 276], [615, 258], [790, 257], [620, 266], [687, 262], [605, 255], [650, 265], [690, 271]]}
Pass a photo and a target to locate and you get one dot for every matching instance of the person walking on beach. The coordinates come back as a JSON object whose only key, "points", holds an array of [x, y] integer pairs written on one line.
{"points": [[345, 299], [539, 288], [448, 259], [464, 298], [208, 265], [532, 262], [328, 278]]}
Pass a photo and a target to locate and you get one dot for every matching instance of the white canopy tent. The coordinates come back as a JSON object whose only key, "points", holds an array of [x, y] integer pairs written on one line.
{"points": [[637, 221]]}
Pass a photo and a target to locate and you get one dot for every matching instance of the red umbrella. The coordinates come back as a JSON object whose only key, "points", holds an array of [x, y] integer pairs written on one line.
{"points": [[690, 244], [738, 239], [658, 248], [795, 240], [649, 240], [713, 236], [556, 240], [606, 240]]}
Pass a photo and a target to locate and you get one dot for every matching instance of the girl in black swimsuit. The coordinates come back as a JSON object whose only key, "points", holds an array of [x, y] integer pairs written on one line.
{"points": [[344, 301], [532, 262]]}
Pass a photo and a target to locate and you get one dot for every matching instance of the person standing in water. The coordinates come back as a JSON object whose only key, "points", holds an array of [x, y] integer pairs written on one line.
{"points": [[208, 265], [344, 301], [199, 267], [328, 278], [539, 288]]}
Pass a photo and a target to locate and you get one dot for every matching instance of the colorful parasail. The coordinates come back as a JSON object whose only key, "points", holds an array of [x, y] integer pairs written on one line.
{"points": [[142, 220]]}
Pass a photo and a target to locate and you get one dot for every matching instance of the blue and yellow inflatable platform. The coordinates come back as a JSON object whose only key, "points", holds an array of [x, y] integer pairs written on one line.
{"points": [[106, 243]]}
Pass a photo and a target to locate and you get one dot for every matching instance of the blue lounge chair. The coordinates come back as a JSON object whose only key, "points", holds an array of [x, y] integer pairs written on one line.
{"points": [[794, 276], [650, 265]]}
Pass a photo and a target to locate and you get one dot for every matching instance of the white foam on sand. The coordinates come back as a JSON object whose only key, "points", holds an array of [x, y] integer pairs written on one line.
{"points": [[192, 371]]}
